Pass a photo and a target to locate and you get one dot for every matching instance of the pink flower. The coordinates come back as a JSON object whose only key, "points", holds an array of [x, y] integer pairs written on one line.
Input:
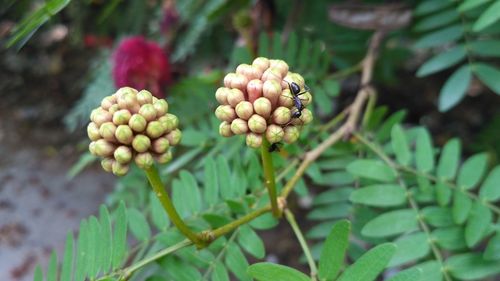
{"points": [[141, 64]]}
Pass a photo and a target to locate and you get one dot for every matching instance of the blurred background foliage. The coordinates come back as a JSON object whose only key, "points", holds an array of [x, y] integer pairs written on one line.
{"points": [[438, 63]]}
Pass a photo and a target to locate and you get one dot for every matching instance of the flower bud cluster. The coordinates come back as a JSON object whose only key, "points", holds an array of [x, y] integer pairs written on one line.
{"points": [[256, 101], [132, 126]]}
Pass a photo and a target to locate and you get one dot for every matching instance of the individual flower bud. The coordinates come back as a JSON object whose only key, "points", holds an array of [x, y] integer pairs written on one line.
{"points": [[305, 118], [125, 90], [128, 101], [261, 63], [221, 95], [254, 89], [244, 110], [169, 122], [100, 116], [257, 124], [291, 134], [123, 154], [93, 131], [104, 148], [108, 102], [148, 111], [124, 134], [161, 107], [119, 169], [107, 131], [107, 164], [235, 96], [114, 108], [155, 99], [281, 115], [225, 113], [297, 78], [144, 160], [155, 129], [274, 133], [239, 126], [286, 99], [280, 65], [228, 79], [243, 69], [92, 148], [144, 97], [255, 73], [164, 157], [160, 145], [272, 91], [262, 106], [254, 140], [121, 117], [141, 143], [306, 98], [137, 123], [174, 137], [272, 74], [225, 129]]}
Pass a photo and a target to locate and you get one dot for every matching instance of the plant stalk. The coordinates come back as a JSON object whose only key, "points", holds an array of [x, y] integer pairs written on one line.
{"points": [[269, 178], [159, 190]]}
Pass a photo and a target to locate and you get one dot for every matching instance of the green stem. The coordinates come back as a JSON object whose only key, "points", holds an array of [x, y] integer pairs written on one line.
{"points": [[159, 190], [234, 224], [269, 179], [293, 223]]}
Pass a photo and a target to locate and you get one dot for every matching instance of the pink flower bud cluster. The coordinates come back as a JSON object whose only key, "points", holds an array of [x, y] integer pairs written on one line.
{"points": [[132, 126], [256, 101]]}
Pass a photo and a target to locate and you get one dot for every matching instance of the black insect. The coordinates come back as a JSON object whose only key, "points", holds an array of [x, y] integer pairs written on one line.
{"points": [[296, 92], [275, 147]]}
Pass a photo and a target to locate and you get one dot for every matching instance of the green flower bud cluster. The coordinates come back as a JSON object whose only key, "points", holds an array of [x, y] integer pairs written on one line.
{"points": [[132, 126], [256, 101]]}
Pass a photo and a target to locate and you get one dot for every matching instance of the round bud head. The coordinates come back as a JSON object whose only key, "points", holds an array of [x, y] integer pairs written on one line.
{"points": [[225, 113], [124, 134], [141, 143], [121, 117], [286, 99], [239, 126], [125, 90], [148, 111], [262, 106], [225, 129], [234, 97], [169, 122], [144, 97], [123, 154], [137, 123], [274, 133], [272, 74], [101, 116], [244, 110], [228, 79], [164, 157], [161, 107], [144, 160], [257, 124], [114, 108], [281, 115], [128, 101], [261, 63], [93, 131], [119, 169], [107, 164], [155, 129], [280, 65], [272, 91], [160, 145], [107, 131], [104, 148], [107, 102], [291, 134], [92, 148], [221, 95], [254, 140], [174, 137], [254, 89]]}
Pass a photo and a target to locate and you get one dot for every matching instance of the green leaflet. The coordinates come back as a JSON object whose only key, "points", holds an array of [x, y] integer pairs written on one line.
{"points": [[471, 266], [450, 238], [400, 145], [488, 17], [424, 153], [266, 271], [334, 249], [251, 242], [410, 248], [492, 251], [488, 74], [442, 61], [490, 189], [370, 264], [472, 171], [449, 160], [410, 274], [477, 224], [400, 221], [372, 169], [138, 224], [382, 195]]}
